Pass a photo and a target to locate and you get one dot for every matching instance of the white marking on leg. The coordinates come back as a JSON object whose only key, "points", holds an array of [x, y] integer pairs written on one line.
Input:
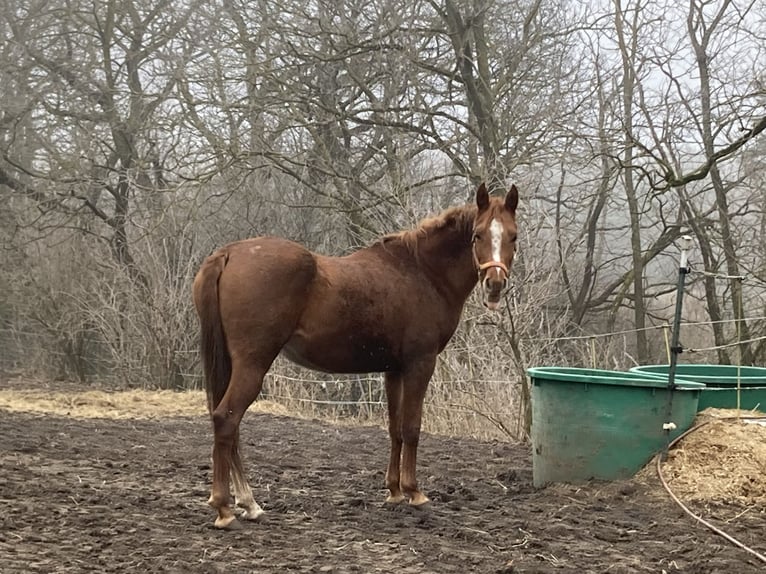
{"points": [[496, 230], [243, 496], [252, 510]]}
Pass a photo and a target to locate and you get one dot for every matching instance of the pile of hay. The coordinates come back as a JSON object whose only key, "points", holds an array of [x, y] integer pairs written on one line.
{"points": [[723, 461]]}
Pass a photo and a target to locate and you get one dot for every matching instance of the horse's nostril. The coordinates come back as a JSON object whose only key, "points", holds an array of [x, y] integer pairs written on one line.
{"points": [[494, 282]]}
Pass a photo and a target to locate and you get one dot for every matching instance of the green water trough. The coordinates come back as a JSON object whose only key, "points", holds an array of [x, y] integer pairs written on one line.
{"points": [[721, 382], [598, 424]]}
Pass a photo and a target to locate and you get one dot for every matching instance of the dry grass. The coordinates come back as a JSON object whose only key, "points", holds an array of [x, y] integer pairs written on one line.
{"points": [[132, 404], [723, 461]]}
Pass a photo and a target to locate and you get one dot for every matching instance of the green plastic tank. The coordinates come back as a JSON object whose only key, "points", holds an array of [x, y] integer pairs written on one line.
{"points": [[720, 384], [589, 423]]}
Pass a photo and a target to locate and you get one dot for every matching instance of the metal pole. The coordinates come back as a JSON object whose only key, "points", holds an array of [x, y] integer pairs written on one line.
{"points": [[675, 347]]}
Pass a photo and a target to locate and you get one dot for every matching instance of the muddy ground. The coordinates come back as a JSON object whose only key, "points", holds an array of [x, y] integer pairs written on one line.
{"points": [[103, 495]]}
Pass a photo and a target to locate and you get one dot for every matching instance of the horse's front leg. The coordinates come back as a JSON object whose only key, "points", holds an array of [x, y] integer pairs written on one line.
{"points": [[394, 399], [415, 384]]}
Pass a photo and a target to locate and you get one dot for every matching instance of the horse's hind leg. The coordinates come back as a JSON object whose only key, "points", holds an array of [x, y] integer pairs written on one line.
{"points": [[244, 387], [243, 494]]}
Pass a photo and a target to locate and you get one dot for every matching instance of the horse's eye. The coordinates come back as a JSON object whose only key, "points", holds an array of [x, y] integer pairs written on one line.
{"points": [[476, 237]]}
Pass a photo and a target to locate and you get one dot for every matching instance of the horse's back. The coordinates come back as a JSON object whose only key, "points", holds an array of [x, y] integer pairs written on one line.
{"points": [[266, 267]]}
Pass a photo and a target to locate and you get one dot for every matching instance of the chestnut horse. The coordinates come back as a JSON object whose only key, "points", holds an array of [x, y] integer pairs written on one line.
{"points": [[391, 308]]}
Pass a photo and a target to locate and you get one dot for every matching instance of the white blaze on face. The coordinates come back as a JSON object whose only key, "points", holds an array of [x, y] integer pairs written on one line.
{"points": [[496, 237], [496, 231]]}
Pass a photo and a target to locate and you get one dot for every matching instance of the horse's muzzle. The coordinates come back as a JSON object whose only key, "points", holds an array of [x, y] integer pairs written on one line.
{"points": [[493, 285]]}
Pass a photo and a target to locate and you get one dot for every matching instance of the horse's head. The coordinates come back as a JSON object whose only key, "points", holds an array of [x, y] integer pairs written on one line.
{"points": [[494, 242]]}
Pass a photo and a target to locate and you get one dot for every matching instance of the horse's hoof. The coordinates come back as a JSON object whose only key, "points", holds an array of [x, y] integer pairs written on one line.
{"points": [[392, 500], [419, 500], [253, 514], [229, 523]]}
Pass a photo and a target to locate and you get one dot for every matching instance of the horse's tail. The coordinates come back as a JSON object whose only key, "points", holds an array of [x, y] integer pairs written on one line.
{"points": [[215, 354]]}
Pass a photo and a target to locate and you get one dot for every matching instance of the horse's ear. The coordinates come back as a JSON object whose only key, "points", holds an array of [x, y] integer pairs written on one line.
{"points": [[482, 197], [512, 199]]}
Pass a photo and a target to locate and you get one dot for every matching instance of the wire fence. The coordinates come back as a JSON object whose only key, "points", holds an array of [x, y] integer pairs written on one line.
{"points": [[484, 405], [467, 395]]}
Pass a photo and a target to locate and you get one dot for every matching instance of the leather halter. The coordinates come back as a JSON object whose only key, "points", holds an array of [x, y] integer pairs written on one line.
{"points": [[487, 264]]}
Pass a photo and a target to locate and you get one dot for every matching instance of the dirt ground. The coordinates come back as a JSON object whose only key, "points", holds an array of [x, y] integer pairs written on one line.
{"points": [[129, 495]]}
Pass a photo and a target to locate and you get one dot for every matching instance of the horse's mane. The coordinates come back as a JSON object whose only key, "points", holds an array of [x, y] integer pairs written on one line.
{"points": [[461, 218]]}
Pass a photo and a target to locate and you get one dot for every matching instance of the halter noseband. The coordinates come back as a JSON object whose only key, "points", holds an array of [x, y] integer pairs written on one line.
{"points": [[491, 264], [488, 264]]}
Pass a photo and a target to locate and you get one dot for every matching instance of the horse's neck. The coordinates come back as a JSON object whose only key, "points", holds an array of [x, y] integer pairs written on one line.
{"points": [[447, 258]]}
